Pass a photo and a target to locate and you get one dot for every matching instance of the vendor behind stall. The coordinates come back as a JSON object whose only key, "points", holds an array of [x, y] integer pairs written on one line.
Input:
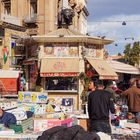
{"points": [[7, 118], [138, 82], [100, 102]]}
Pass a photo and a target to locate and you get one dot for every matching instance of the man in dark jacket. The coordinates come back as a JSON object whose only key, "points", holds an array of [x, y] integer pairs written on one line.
{"points": [[133, 96], [138, 83], [7, 118], [100, 102]]}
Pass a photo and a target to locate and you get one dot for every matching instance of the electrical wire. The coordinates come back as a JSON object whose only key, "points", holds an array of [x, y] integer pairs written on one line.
{"points": [[137, 20], [100, 21]]}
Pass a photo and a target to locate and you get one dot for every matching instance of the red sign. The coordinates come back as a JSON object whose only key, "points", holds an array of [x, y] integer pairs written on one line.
{"points": [[59, 66], [9, 85], [66, 74]]}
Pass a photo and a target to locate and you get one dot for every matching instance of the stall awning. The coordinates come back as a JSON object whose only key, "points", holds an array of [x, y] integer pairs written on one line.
{"points": [[67, 35], [30, 61], [9, 74], [123, 68], [103, 69], [51, 67]]}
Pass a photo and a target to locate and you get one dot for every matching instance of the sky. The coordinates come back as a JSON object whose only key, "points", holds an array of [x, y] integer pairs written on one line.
{"points": [[106, 17]]}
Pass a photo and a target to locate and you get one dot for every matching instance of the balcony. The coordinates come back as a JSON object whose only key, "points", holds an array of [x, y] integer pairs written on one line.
{"points": [[6, 1], [10, 19], [30, 19]]}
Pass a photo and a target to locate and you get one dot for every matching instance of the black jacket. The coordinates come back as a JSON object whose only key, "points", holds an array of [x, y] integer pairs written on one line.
{"points": [[100, 102], [68, 133]]}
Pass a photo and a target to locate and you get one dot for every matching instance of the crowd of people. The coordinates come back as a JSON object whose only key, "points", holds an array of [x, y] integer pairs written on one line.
{"points": [[101, 103]]}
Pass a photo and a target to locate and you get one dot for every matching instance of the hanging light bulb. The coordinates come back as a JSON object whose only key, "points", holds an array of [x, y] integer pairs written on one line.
{"points": [[123, 23]]}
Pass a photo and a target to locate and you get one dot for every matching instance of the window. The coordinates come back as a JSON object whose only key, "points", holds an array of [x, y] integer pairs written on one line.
{"points": [[61, 83], [7, 7], [16, 61], [2, 32], [33, 5]]}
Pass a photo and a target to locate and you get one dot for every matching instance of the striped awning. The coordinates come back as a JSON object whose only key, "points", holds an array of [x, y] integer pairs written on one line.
{"points": [[64, 67], [103, 69], [123, 68]]}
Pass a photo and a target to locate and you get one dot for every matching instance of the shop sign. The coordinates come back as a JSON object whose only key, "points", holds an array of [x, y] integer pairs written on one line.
{"points": [[108, 77], [59, 66], [66, 74], [10, 84]]}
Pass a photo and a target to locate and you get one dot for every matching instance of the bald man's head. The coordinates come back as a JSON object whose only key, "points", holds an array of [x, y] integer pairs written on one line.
{"points": [[133, 81]]}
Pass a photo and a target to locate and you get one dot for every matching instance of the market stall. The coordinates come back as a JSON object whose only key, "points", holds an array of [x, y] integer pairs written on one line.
{"points": [[9, 80], [47, 116], [62, 57]]}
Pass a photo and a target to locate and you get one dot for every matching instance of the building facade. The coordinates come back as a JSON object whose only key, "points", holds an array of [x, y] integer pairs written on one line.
{"points": [[19, 18], [62, 56], [38, 17], [54, 49], [41, 16]]}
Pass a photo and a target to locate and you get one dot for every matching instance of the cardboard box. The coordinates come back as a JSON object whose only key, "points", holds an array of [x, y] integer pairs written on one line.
{"points": [[84, 123], [67, 122], [42, 124], [53, 123]]}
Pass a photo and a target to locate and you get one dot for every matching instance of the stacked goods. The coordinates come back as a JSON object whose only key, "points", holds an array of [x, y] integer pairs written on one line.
{"points": [[42, 124], [32, 97], [60, 104], [7, 104], [23, 126], [20, 113], [34, 107], [125, 137]]}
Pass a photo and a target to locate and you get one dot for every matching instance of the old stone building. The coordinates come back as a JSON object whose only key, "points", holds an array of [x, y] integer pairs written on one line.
{"points": [[38, 17], [41, 16], [27, 18]]}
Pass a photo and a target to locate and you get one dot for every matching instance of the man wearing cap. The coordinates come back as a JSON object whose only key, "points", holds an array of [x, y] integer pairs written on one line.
{"points": [[100, 102], [109, 88]]}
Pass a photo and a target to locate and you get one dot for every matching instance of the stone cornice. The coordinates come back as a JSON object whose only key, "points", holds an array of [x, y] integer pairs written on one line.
{"points": [[12, 26]]}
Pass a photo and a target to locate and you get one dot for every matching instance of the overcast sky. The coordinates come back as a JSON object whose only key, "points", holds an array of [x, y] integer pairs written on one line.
{"points": [[106, 18]]}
